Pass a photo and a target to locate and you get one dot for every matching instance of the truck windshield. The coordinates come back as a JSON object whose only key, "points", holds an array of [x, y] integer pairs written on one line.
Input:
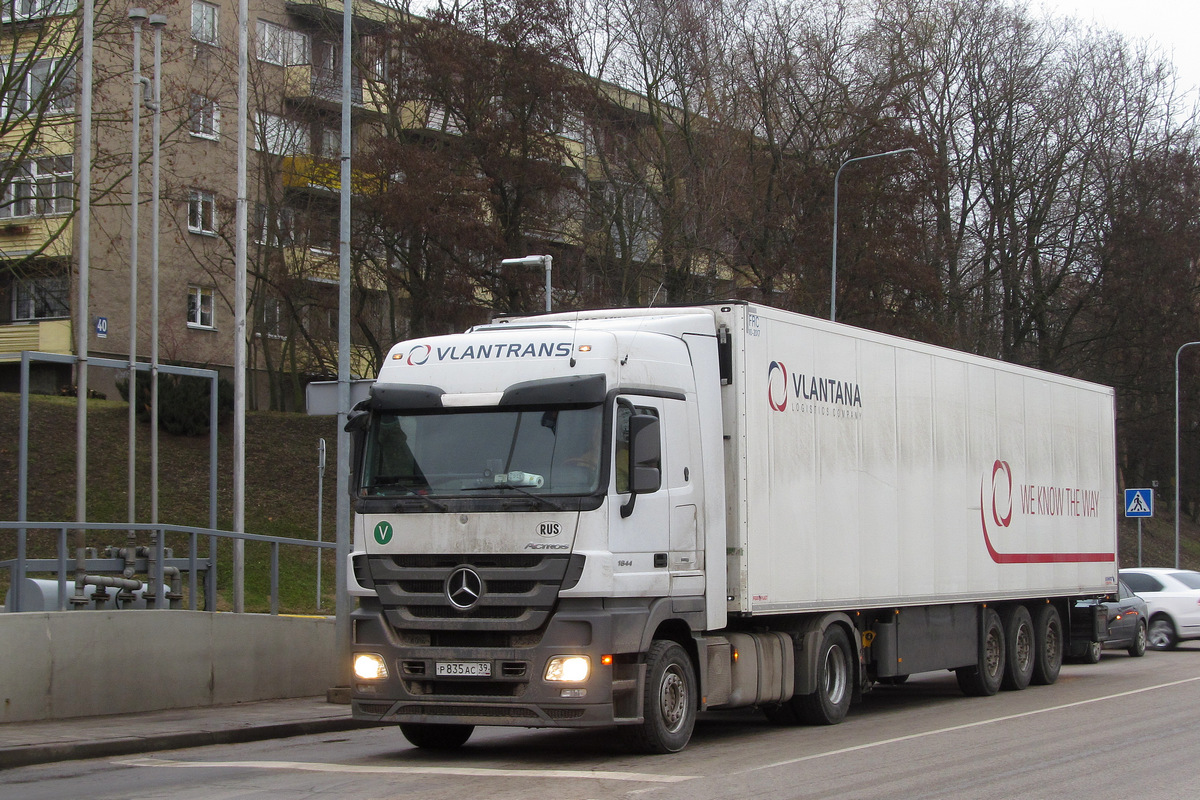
{"points": [[476, 453]]}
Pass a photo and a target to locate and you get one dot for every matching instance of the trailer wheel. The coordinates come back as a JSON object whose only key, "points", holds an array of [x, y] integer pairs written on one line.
{"points": [[436, 737], [669, 701], [1020, 645], [829, 704], [1048, 636], [984, 678]]}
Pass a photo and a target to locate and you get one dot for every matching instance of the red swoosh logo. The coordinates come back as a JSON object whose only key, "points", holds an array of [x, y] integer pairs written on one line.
{"points": [[1035, 558]]}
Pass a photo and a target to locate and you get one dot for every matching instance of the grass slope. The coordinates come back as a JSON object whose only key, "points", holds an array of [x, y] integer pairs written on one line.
{"points": [[281, 489]]}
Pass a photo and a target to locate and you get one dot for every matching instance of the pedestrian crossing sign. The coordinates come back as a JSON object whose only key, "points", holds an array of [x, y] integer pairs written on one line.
{"points": [[1139, 502]]}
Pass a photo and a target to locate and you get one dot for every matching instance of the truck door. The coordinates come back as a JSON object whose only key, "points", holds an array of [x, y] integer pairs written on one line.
{"points": [[655, 545], [680, 480]]}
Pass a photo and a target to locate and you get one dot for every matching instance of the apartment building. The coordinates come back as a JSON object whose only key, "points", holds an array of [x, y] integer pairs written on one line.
{"points": [[293, 154]]}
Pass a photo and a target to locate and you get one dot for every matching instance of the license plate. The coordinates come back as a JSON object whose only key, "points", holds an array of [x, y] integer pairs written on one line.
{"points": [[464, 669]]}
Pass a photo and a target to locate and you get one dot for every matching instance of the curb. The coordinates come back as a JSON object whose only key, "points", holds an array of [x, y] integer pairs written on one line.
{"points": [[28, 755]]}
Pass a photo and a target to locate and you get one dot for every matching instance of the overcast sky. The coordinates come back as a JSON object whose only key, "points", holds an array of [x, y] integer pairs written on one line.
{"points": [[1174, 24]]}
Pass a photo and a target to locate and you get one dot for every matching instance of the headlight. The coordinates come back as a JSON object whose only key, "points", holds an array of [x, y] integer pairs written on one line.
{"points": [[570, 669], [370, 667]]}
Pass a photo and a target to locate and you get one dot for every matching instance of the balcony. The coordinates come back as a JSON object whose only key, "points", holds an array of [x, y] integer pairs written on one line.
{"points": [[51, 237], [323, 266], [304, 82], [46, 336], [321, 174]]}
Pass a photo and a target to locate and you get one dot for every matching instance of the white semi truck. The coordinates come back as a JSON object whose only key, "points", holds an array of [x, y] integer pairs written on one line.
{"points": [[628, 517]]}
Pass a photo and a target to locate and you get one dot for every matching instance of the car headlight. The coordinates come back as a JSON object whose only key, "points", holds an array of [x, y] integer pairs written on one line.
{"points": [[370, 667], [568, 669]]}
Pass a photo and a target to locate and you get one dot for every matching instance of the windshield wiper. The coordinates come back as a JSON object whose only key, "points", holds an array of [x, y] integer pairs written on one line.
{"points": [[515, 488], [404, 503]]}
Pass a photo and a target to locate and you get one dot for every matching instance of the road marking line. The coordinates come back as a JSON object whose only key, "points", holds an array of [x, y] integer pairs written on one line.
{"points": [[638, 777], [965, 726]]}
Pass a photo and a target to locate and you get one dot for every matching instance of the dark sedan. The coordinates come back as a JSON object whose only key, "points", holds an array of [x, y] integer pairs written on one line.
{"points": [[1127, 620]]}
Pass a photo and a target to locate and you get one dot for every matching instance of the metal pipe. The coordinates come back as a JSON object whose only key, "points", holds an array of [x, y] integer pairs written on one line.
{"points": [[210, 592], [83, 224], [239, 326], [342, 604], [1177, 504], [62, 569], [274, 578], [137, 16], [22, 480], [157, 22], [320, 511]]}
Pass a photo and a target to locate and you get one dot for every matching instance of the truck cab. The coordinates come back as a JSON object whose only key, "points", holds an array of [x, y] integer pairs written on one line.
{"points": [[532, 510]]}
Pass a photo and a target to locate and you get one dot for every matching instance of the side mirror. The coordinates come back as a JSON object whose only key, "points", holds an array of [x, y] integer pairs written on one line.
{"points": [[357, 422], [645, 458], [645, 454]]}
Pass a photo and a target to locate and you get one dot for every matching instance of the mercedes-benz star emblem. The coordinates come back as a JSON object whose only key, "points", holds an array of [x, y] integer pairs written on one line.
{"points": [[464, 587]]}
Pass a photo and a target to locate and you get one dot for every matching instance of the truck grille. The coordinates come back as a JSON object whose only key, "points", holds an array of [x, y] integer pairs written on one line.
{"points": [[518, 591]]}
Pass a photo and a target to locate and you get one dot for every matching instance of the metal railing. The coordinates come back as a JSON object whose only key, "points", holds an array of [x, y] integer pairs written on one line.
{"points": [[157, 564]]}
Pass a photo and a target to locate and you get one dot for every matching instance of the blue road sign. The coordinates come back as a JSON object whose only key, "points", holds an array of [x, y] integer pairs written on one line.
{"points": [[1139, 502]]}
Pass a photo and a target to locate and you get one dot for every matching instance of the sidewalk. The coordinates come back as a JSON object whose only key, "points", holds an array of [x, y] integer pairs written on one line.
{"points": [[25, 743]]}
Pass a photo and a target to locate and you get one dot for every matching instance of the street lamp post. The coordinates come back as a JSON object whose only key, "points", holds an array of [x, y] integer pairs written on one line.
{"points": [[534, 261], [833, 270], [1177, 352]]}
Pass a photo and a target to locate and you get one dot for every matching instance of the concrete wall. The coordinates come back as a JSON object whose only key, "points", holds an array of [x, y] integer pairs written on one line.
{"points": [[84, 663]]}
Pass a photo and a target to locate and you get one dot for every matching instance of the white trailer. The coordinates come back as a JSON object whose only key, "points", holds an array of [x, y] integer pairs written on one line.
{"points": [[627, 517]]}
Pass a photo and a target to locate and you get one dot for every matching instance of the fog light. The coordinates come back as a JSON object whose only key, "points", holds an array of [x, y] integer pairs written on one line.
{"points": [[370, 667], [571, 669], [573, 693]]}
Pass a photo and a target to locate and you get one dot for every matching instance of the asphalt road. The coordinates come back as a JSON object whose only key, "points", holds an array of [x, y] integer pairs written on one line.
{"points": [[1123, 728]]}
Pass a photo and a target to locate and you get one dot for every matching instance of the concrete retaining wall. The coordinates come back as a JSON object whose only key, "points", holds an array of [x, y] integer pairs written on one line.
{"points": [[85, 663]]}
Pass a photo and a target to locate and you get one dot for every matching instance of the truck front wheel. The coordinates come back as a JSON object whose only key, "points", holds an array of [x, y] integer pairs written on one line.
{"points": [[669, 703], [984, 678], [436, 737], [829, 704]]}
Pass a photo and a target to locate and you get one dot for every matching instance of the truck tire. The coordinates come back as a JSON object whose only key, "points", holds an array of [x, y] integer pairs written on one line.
{"points": [[1048, 637], [436, 737], [1162, 634], [829, 704], [669, 701], [1020, 645], [983, 679]]}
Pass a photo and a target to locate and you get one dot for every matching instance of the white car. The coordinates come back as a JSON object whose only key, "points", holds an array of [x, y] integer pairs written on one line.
{"points": [[1173, 602]]}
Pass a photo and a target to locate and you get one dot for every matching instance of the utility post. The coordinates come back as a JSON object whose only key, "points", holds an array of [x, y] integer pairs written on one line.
{"points": [[534, 261]]}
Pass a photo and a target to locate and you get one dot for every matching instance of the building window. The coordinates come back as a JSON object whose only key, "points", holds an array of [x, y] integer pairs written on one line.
{"points": [[280, 136], [331, 143], [202, 212], [43, 297], [280, 45], [44, 84], [273, 230], [200, 307], [204, 22], [17, 10], [206, 117], [274, 315], [43, 186]]}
